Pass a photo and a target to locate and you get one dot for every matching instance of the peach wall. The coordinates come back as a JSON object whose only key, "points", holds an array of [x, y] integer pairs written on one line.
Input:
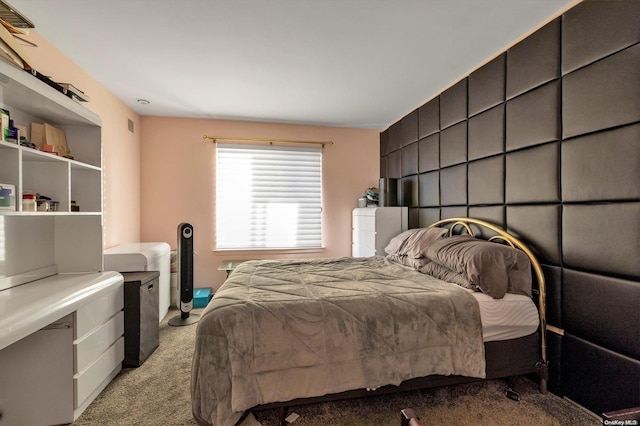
{"points": [[177, 182], [162, 174], [120, 148]]}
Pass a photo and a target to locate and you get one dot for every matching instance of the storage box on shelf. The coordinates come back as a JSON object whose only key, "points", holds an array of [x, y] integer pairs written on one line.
{"points": [[51, 263]]}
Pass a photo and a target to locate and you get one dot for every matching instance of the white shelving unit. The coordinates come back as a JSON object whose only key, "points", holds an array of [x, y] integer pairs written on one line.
{"points": [[51, 265]]}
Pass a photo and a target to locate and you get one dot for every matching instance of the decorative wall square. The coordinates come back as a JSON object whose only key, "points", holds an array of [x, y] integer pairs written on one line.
{"points": [[486, 133], [595, 29], [534, 117], [588, 171], [487, 85], [532, 175], [534, 61], [486, 181], [453, 145], [429, 118], [429, 153], [602, 95], [453, 104]]}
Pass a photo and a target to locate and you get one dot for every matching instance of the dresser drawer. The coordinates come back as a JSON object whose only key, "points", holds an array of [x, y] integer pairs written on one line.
{"points": [[365, 223], [359, 251], [99, 311], [92, 345], [364, 238], [88, 380]]}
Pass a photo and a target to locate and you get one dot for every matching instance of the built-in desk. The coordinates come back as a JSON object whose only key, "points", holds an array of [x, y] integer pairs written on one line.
{"points": [[61, 343]]}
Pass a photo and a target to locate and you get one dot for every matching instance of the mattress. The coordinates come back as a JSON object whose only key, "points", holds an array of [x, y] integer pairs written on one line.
{"points": [[511, 317]]}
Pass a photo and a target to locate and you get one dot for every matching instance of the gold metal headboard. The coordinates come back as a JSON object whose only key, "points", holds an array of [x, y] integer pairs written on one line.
{"points": [[464, 224], [499, 237], [516, 243]]}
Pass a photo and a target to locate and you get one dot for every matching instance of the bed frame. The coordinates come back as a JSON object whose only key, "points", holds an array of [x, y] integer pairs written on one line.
{"points": [[504, 359]]}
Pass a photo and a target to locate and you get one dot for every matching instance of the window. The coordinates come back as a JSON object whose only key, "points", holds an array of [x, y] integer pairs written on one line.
{"points": [[268, 197]]}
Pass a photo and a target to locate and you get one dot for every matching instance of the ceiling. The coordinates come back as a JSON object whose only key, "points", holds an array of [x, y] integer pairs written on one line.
{"points": [[344, 63]]}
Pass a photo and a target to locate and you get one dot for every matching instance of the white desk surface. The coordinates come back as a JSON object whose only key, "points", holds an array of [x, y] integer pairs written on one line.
{"points": [[29, 307]]}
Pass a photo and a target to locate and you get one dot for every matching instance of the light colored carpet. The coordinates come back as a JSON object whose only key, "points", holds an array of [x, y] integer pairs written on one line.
{"points": [[157, 393]]}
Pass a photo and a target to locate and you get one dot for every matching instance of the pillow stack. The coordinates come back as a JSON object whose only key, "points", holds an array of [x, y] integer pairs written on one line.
{"points": [[481, 265], [408, 248]]}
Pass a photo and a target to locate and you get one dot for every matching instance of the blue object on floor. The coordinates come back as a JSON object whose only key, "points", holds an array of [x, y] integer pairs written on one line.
{"points": [[201, 297]]}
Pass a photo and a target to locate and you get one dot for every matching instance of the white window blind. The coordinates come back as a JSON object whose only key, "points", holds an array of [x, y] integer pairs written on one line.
{"points": [[268, 197]]}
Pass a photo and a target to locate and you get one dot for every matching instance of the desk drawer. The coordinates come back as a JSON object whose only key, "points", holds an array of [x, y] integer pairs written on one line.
{"points": [[92, 345], [99, 311], [88, 380]]}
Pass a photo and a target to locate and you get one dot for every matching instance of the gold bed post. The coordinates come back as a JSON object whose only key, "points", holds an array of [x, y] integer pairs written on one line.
{"points": [[542, 366]]}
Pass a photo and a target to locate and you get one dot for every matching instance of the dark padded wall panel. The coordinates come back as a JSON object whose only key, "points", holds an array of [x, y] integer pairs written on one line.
{"points": [[410, 191], [589, 300], [493, 214], [395, 136], [453, 145], [535, 60], [429, 189], [447, 212], [384, 143], [453, 104], [409, 128], [597, 378], [587, 172], [409, 159], [486, 85], [602, 238], [602, 95], [534, 118], [428, 216], [557, 163], [453, 185], [383, 166], [429, 118], [486, 181], [587, 31], [394, 165], [486, 133], [540, 224], [414, 218], [429, 153], [553, 280], [532, 175], [554, 355]]}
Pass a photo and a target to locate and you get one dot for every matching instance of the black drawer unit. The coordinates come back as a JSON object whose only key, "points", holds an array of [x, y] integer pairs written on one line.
{"points": [[141, 317]]}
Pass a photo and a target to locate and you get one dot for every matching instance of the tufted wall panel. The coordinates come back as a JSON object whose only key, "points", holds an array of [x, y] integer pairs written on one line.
{"points": [[486, 133], [544, 140]]}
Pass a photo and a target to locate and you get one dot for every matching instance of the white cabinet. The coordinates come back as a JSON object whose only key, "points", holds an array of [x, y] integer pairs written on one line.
{"points": [[51, 265], [28, 361], [374, 227]]}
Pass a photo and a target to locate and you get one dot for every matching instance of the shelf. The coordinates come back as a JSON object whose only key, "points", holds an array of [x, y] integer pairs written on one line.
{"points": [[19, 89], [33, 155]]}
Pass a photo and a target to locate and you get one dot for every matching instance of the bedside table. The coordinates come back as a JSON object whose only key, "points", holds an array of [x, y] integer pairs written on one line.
{"points": [[229, 265]]}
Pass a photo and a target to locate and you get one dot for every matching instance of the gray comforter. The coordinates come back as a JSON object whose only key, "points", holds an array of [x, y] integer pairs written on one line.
{"points": [[280, 330]]}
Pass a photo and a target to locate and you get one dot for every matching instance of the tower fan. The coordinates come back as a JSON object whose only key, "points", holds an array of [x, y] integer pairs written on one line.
{"points": [[185, 276]]}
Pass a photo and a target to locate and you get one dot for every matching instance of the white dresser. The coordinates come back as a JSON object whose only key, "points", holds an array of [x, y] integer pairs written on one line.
{"points": [[374, 227]]}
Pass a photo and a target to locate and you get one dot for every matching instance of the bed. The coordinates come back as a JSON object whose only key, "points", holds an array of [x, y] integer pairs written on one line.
{"points": [[432, 312]]}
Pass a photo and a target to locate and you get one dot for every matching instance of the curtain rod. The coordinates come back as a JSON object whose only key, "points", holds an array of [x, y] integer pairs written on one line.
{"points": [[271, 141]]}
